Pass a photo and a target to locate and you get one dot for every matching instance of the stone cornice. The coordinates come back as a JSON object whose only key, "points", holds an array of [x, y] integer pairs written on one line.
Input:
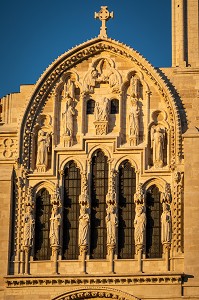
{"points": [[86, 280]]}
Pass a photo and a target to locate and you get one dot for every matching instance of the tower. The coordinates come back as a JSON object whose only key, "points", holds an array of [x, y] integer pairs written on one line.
{"points": [[185, 33]]}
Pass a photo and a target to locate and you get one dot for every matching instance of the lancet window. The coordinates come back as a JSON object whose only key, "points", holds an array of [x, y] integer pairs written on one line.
{"points": [[153, 225], [42, 225], [126, 210], [72, 190], [99, 189]]}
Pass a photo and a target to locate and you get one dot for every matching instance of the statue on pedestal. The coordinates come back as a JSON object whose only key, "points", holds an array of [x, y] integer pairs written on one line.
{"points": [[166, 224], [43, 144], [29, 227], [140, 225], [55, 221], [158, 144], [84, 223], [111, 224], [134, 113]]}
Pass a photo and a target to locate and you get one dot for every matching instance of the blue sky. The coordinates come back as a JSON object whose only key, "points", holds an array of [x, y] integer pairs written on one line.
{"points": [[33, 33]]}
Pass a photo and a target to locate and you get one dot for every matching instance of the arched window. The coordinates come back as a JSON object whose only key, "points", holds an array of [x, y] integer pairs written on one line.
{"points": [[114, 106], [72, 190], [153, 225], [126, 210], [90, 107], [99, 189], [42, 225]]}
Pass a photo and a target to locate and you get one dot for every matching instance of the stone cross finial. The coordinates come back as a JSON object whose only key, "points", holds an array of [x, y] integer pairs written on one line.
{"points": [[104, 15]]}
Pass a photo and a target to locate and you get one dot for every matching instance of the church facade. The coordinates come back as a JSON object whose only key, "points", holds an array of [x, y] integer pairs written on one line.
{"points": [[99, 173]]}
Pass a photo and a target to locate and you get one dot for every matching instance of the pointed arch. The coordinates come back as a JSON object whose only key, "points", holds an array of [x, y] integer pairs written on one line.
{"points": [[45, 87], [100, 147], [99, 292], [71, 158]]}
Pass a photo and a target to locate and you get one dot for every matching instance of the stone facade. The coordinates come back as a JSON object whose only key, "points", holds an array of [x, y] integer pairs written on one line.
{"points": [[99, 175]]}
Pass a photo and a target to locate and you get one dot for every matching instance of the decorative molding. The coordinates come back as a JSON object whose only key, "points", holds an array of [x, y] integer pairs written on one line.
{"points": [[51, 76], [34, 281]]}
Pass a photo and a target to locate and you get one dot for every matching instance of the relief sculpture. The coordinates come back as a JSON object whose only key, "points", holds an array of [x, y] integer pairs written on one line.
{"points": [[140, 225], [166, 224], [55, 221], [43, 148], [158, 145], [111, 224], [134, 122], [84, 223]]}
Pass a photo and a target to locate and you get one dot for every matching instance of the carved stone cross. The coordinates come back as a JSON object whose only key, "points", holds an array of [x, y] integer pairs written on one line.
{"points": [[104, 15]]}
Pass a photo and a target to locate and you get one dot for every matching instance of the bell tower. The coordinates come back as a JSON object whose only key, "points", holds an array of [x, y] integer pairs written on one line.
{"points": [[185, 33]]}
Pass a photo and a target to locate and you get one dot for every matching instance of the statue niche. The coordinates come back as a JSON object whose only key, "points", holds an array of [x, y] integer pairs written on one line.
{"points": [[43, 143], [158, 146], [135, 96], [68, 111], [158, 140], [101, 113]]}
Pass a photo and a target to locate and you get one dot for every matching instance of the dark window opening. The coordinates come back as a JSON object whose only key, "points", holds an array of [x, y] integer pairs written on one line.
{"points": [[126, 211], [72, 190], [153, 226], [99, 189], [42, 226], [90, 107], [114, 106]]}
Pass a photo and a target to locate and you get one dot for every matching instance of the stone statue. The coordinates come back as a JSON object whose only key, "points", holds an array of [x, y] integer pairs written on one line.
{"points": [[134, 88], [101, 110], [111, 224], [90, 80], [113, 81], [68, 115], [166, 224], [134, 112], [84, 222], [70, 88], [29, 226], [157, 143], [140, 225], [43, 144], [55, 221]]}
